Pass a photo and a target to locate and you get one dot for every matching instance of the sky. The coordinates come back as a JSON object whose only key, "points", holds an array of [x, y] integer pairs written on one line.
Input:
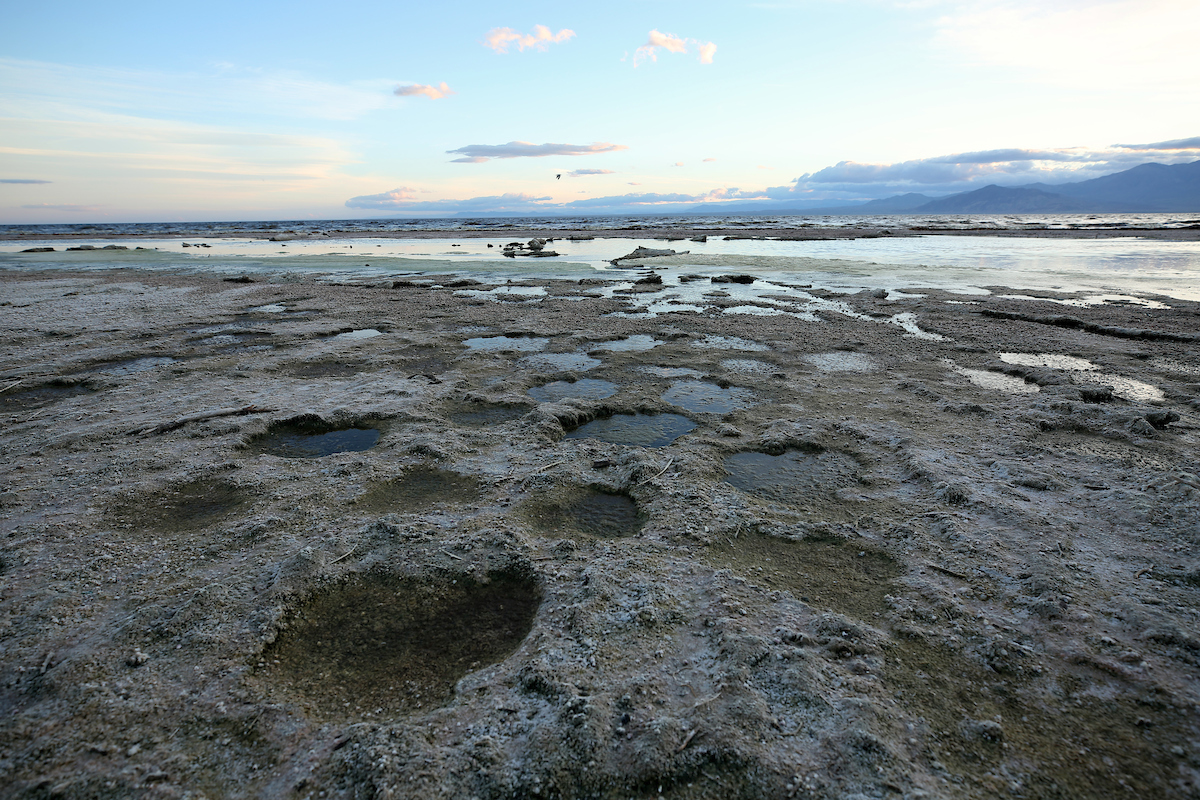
{"points": [[141, 111]]}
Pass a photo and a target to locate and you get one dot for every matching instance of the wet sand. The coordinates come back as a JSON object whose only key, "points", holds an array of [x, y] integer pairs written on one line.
{"points": [[926, 545]]}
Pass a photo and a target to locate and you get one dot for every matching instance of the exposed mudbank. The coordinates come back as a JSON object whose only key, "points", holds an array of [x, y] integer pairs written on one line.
{"points": [[617, 548]]}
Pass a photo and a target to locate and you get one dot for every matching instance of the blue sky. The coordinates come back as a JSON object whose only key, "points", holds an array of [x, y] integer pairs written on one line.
{"points": [[134, 111]]}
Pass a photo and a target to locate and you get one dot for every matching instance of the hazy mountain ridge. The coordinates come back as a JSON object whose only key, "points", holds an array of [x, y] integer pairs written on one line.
{"points": [[1146, 188]]}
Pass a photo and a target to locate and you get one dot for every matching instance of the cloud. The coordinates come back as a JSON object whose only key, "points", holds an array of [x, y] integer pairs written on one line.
{"points": [[22, 180], [432, 92], [1147, 45], [577, 173], [960, 172], [707, 160], [396, 197], [398, 201], [499, 39], [658, 40], [60, 207], [678, 164], [1175, 144], [478, 153], [395, 201]]}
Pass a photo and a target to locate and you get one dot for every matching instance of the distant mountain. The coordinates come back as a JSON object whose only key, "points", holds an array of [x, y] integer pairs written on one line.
{"points": [[995, 199], [1147, 187], [897, 204]]}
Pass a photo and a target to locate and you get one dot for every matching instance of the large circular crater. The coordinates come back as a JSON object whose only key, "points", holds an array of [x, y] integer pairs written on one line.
{"points": [[381, 645]]}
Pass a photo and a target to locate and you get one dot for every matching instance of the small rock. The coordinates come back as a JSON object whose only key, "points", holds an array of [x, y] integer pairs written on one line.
{"points": [[601, 463], [650, 280], [137, 658], [1161, 419], [728, 430], [1142, 428], [986, 729], [239, 279], [39, 250], [745, 279], [880, 294], [114, 247], [83, 247], [1096, 394], [701, 239]]}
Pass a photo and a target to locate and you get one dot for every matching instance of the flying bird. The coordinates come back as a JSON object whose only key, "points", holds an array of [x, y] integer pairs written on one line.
{"points": [[558, 177]]}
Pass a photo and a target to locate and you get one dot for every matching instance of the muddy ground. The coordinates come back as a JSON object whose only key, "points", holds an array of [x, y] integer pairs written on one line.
{"points": [[855, 563]]}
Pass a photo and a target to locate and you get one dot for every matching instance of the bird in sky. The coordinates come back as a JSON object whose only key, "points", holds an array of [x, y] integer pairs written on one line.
{"points": [[558, 177]]}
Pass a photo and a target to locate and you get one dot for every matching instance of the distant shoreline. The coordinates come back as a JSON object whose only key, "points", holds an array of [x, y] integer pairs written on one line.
{"points": [[667, 234]]}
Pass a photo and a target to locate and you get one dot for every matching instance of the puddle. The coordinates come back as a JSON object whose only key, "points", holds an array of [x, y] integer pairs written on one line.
{"points": [[630, 344], [273, 308], [643, 430], [227, 342], [192, 505], [1127, 388], [380, 645], [996, 381], [590, 513], [908, 321], [131, 366], [825, 572], [712, 342], [560, 362], [1084, 371], [792, 477], [313, 439], [364, 333], [326, 369], [842, 361], [671, 372], [420, 489], [584, 389], [478, 415], [492, 344], [749, 366], [1046, 360], [16, 398], [760, 311], [707, 397]]}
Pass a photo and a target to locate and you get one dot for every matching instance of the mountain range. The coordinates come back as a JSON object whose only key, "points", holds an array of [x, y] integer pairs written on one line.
{"points": [[1146, 188]]}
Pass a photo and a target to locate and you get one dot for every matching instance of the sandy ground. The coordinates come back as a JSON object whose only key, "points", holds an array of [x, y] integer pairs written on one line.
{"points": [[872, 564]]}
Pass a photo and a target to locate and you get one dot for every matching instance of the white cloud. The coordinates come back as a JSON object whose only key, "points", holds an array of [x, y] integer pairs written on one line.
{"points": [[1175, 144], [708, 160], [965, 171], [657, 40], [478, 153], [1085, 44], [432, 92], [499, 39], [397, 201], [23, 180], [578, 173]]}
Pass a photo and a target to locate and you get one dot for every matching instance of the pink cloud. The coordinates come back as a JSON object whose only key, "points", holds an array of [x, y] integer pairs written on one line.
{"points": [[707, 160], [672, 44], [500, 38], [432, 92]]}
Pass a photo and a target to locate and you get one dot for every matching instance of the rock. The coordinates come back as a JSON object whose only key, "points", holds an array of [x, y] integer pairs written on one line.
{"points": [[1096, 394], [1161, 419], [649, 280], [1142, 428], [88, 247], [137, 658], [601, 463], [726, 429], [647, 252], [880, 294], [985, 729], [239, 279], [733, 279], [118, 247], [39, 250], [700, 239], [536, 244]]}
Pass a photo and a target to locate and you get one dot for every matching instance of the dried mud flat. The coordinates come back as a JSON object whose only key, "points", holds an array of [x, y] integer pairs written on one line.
{"points": [[296, 539]]}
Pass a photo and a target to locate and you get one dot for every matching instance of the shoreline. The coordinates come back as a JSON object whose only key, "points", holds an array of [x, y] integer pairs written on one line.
{"points": [[875, 562], [781, 234]]}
